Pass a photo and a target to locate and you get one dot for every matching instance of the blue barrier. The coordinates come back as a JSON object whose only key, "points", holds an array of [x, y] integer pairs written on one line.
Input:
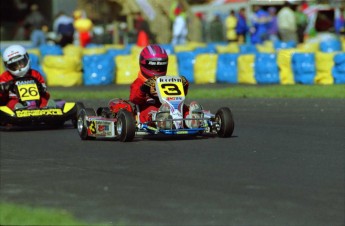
{"points": [[35, 64], [98, 69], [227, 68], [185, 61], [331, 45], [206, 49], [266, 68], [248, 49], [168, 47], [284, 45], [303, 67], [50, 50], [338, 71]]}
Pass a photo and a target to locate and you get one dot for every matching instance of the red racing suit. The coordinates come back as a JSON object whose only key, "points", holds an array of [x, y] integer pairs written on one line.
{"points": [[147, 104], [10, 98]]}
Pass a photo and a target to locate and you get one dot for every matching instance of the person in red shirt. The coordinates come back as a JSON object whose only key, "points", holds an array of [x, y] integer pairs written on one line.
{"points": [[17, 64], [153, 62]]}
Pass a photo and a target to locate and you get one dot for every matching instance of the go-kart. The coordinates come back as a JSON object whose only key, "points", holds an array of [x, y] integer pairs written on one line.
{"points": [[29, 114], [121, 121]]}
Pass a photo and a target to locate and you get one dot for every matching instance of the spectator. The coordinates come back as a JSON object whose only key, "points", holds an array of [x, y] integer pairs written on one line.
{"points": [[38, 36], [230, 25], [287, 23], [143, 31], [83, 26], [180, 27], [63, 27], [301, 22], [35, 19], [339, 22], [216, 30], [241, 26], [273, 24], [36, 24], [259, 27]]}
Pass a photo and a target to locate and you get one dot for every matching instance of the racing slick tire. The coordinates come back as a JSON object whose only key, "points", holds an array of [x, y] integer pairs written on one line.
{"points": [[225, 122], [125, 126], [79, 106], [82, 123]]}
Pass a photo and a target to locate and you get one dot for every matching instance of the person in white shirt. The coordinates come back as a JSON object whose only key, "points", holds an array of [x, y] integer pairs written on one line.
{"points": [[180, 28], [287, 23]]}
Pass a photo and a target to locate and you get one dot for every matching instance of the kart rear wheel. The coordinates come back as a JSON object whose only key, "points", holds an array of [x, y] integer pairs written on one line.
{"points": [[79, 106], [125, 126], [82, 123], [224, 122]]}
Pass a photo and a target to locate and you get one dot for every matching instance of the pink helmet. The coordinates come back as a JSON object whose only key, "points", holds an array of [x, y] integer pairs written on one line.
{"points": [[153, 61]]}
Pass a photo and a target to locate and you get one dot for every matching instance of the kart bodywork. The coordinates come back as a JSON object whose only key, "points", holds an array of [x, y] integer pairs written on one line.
{"points": [[30, 115], [121, 119], [48, 116]]}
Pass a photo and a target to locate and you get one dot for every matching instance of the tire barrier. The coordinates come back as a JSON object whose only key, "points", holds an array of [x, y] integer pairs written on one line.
{"points": [[314, 62], [338, 70]]}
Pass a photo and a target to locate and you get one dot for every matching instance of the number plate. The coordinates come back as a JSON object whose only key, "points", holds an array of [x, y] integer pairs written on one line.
{"points": [[170, 88], [28, 92]]}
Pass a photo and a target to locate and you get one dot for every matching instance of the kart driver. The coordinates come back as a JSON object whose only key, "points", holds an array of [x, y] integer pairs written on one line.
{"points": [[17, 64], [153, 62]]}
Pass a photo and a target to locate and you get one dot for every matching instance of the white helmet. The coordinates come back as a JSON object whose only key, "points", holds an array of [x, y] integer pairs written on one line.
{"points": [[16, 60]]}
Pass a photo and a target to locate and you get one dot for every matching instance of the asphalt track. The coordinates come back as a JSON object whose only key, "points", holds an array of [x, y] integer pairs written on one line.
{"points": [[284, 165]]}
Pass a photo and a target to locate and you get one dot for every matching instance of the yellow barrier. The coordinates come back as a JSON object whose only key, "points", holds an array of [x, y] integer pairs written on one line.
{"points": [[205, 67], [172, 67], [62, 70], [2, 67], [230, 48], [245, 64], [127, 68], [67, 63], [324, 65], [57, 77], [284, 61], [73, 50], [94, 51]]}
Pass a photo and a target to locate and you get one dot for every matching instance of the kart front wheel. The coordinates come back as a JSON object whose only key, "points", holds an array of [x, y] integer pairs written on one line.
{"points": [[224, 122], [125, 126], [82, 123], [79, 106]]}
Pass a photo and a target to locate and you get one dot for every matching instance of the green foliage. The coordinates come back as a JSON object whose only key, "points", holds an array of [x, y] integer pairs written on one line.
{"points": [[11, 214]]}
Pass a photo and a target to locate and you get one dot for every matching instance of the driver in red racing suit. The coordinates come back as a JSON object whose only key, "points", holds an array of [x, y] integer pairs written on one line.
{"points": [[17, 63], [153, 62]]}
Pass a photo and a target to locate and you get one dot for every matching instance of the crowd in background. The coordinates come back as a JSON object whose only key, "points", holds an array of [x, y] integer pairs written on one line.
{"points": [[286, 23]]}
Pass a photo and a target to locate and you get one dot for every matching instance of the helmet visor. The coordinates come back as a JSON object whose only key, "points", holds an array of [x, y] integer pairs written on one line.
{"points": [[17, 63], [156, 66]]}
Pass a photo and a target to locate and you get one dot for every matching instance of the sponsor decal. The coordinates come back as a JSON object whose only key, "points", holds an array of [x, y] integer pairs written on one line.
{"points": [[157, 63], [174, 98], [162, 79], [18, 83], [38, 112], [101, 128], [182, 132]]}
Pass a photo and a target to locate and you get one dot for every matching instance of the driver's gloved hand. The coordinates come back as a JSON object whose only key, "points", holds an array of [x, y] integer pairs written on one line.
{"points": [[149, 87], [5, 87], [42, 89]]}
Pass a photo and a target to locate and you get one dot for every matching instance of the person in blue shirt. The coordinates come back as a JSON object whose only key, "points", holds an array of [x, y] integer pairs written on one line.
{"points": [[242, 26]]}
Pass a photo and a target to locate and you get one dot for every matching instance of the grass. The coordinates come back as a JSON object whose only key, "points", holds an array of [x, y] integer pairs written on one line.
{"points": [[212, 91], [11, 214]]}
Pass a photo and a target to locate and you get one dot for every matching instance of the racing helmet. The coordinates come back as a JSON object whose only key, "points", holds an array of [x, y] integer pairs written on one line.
{"points": [[16, 60], [153, 61]]}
